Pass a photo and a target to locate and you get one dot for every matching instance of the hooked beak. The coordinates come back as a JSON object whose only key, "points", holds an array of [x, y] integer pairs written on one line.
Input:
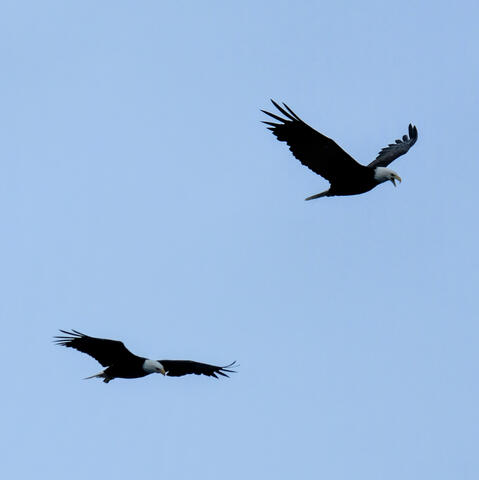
{"points": [[162, 371], [394, 178]]}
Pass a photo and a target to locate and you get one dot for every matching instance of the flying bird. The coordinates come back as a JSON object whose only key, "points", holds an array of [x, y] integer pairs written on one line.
{"points": [[121, 363], [326, 158]]}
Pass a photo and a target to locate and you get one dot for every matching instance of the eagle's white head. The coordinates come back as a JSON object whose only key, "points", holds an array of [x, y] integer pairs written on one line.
{"points": [[382, 174], [153, 366]]}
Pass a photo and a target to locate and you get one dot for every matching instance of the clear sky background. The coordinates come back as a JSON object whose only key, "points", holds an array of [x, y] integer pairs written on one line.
{"points": [[141, 199]]}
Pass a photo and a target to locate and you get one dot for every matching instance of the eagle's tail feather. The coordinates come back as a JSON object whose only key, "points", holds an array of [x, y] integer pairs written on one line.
{"points": [[318, 195], [99, 375]]}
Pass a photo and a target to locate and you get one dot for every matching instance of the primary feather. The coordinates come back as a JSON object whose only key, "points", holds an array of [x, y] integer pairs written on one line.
{"points": [[178, 368], [105, 351], [313, 149], [394, 150]]}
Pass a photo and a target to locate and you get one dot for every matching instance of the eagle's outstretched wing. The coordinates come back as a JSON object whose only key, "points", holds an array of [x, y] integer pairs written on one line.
{"points": [[178, 368], [313, 149], [394, 150], [105, 351]]}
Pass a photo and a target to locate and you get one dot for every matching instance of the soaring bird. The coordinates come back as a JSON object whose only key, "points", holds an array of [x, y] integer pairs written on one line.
{"points": [[326, 158], [122, 363]]}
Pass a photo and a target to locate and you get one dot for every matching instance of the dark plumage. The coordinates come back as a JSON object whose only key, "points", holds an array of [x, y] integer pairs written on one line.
{"points": [[326, 158], [121, 363]]}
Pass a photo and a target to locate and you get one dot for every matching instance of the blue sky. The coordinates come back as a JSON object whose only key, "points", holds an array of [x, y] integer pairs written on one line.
{"points": [[141, 199]]}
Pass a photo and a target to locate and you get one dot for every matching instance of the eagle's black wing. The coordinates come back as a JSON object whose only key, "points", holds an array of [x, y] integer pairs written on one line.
{"points": [[394, 150], [178, 368], [314, 150], [105, 351]]}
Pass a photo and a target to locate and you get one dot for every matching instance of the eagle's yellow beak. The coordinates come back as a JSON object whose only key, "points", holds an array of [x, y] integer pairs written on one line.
{"points": [[394, 178]]}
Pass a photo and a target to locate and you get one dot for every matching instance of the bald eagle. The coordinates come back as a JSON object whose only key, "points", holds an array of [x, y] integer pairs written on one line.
{"points": [[326, 158], [122, 363]]}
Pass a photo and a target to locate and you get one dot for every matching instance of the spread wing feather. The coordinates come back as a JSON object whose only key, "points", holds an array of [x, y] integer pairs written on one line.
{"points": [[178, 368], [394, 150], [313, 149], [105, 351]]}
